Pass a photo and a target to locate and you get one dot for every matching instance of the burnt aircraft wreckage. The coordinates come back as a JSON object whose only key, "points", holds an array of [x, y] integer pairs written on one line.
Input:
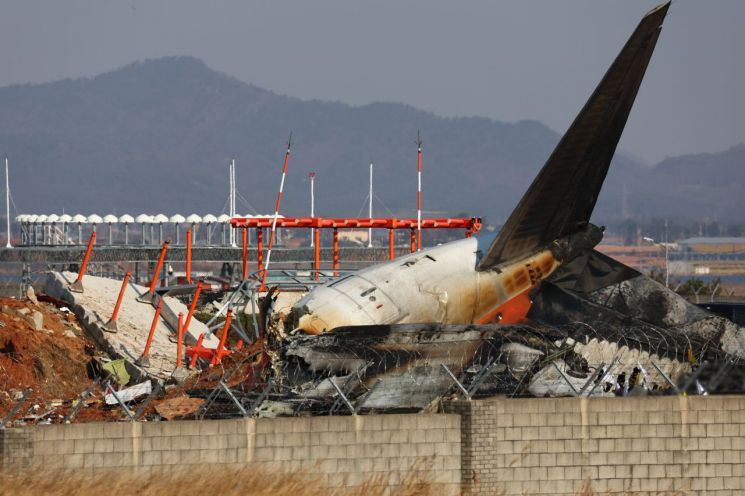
{"points": [[532, 310]]}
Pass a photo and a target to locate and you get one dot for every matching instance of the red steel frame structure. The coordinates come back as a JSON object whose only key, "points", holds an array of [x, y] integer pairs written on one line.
{"points": [[471, 225]]}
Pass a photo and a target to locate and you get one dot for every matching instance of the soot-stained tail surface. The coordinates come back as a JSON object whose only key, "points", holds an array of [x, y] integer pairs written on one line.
{"points": [[562, 197]]}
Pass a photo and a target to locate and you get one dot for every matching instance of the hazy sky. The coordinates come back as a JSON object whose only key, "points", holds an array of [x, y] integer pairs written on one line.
{"points": [[507, 60]]}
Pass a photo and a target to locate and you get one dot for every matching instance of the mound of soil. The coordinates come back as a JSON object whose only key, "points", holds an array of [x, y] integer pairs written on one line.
{"points": [[52, 361]]}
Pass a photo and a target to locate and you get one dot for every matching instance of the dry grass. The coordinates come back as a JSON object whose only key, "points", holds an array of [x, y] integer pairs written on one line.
{"points": [[206, 480]]}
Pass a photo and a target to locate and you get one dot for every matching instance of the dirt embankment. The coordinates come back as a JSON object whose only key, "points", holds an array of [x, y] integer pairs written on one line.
{"points": [[42, 347]]}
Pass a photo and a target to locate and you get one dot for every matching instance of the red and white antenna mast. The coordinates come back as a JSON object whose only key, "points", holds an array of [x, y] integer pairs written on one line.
{"points": [[231, 198], [312, 178], [276, 214], [369, 207], [419, 193]]}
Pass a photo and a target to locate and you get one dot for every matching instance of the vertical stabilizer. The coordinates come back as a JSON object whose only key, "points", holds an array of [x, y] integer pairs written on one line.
{"points": [[562, 197]]}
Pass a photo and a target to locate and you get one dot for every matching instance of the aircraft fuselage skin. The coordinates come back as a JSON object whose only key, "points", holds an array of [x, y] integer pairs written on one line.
{"points": [[439, 284]]}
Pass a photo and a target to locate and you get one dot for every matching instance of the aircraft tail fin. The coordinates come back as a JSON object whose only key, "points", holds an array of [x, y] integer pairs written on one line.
{"points": [[562, 197]]}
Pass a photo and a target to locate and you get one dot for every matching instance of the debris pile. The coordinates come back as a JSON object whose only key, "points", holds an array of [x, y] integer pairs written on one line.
{"points": [[595, 328], [42, 348], [60, 362]]}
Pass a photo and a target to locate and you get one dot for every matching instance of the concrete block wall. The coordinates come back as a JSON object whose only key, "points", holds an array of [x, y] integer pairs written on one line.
{"points": [[15, 448], [641, 445], [340, 451]]}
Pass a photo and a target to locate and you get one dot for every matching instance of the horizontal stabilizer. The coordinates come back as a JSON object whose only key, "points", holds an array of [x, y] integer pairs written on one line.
{"points": [[562, 197]]}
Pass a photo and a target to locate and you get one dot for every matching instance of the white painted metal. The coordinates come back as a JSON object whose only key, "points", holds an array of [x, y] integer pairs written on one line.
{"points": [[419, 196], [438, 284], [7, 204], [276, 214], [231, 200], [312, 177], [369, 207], [126, 220], [224, 220], [160, 219], [42, 219], [52, 221]]}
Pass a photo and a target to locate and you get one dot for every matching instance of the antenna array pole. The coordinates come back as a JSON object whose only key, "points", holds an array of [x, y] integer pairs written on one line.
{"points": [[312, 177], [276, 215], [419, 193], [667, 271], [7, 203], [369, 207], [231, 199]]}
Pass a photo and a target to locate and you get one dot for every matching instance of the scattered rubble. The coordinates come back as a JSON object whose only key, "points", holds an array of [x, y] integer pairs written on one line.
{"points": [[37, 320], [591, 331], [56, 362], [31, 295], [53, 365]]}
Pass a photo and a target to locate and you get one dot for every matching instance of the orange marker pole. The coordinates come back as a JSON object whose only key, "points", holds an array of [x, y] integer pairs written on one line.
{"points": [[336, 252], [77, 286], [245, 253], [193, 306], [217, 358], [145, 358], [111, 324], [391, 245], [148, 297], [317, 253], [260, 247], [188, 256], [180, 341], [195, 355]]}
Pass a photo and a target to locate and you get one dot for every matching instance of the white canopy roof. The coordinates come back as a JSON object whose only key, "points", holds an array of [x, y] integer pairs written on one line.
{"points": [[144, 219], [80, 219], [209, 219], [21, 218], [110, 219], [41, 218], [65, 218], [193, 219], [126, 219], [94, 219], [160, 219], [178, 219], [33, 218], [224, 218], [53, 218]]}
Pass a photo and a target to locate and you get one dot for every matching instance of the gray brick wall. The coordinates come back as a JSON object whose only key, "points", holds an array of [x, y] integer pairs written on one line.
{"points": [[16, 448], [339, 451], [662, 445]]}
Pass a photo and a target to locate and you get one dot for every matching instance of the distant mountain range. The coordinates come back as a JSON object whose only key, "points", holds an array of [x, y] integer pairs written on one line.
{"points": [[156, 137]]}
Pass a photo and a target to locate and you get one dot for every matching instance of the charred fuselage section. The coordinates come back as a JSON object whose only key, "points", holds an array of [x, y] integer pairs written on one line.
{"points": [[595, 327]]}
